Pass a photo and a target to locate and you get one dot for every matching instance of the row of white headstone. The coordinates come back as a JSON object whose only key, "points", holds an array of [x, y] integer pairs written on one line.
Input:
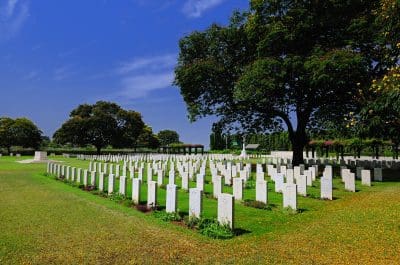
{"points": [[225, 201]]}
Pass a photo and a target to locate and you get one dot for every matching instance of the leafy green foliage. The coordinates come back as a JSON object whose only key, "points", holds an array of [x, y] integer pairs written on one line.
{"points": [[19, 132], [212, 228], [100, 125], [308, 58], [167, 217], [167, 137]]}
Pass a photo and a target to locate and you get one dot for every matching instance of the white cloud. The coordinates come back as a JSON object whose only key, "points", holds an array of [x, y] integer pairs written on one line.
{"points": [[140, 76], [12, 17], [31, 75], [63, 72], [139, 86], [195, 8], [148, 64]]}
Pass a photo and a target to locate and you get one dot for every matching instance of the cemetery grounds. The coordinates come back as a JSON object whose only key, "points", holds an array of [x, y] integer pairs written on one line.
{"points": [[45, 221]]}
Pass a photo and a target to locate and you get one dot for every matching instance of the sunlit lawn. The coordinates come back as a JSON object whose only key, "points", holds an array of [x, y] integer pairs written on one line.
{"points": [[47, 221]]}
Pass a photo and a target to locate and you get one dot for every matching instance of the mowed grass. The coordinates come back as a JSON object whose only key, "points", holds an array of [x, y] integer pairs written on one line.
{"points": [[46, 221]]}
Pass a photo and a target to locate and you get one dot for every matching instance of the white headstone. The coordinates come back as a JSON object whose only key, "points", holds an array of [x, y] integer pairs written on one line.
{"points": [[290, 196], [366, 177], [172, 199], [378, 174], [200, 182], [195, 203], [262, 191], [238, 188], [350, 182], [78, 175], [85, 177], [151, 193], [136, 190], [122, 185], [101, 182], [326, 188], [111, 179], [171, 177], [289, 176], [160, 177], [226, 209], [278, 182], [302, 185], [185, 181], [217, 186], [93, 178]]}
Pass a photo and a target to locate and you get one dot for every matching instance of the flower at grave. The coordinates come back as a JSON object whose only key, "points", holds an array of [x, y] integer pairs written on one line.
{"points": [[328, 143]]}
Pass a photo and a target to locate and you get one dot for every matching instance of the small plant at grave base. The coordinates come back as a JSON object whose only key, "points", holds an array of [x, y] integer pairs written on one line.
{"points": [[117, 197], [257, 204], [289, 211], [89, 188], [212, 228], [208, 195], [250, 184], [313, 196], [128, 203], [191, 221], [142, 208], [167, 217]]}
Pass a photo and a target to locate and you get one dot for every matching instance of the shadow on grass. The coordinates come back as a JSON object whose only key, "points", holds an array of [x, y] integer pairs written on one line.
{"points": [[240, 231]]}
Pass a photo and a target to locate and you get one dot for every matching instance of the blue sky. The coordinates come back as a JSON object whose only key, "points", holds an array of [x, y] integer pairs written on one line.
{"points": [[55, 55]]}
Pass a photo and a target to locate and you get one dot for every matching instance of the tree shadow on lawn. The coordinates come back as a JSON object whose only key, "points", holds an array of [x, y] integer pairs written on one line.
{"points": [[240, 231]]}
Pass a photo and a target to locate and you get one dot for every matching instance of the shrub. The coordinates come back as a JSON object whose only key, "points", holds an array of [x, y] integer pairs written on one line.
{"points": [[117, 197], [213, 229], [257, 204], [289, 211], [191, 221], [250, 184], [167, 217]]}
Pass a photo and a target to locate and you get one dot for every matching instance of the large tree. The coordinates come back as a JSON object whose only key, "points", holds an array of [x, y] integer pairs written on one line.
{"points": [[380, 116], [19, 132], [100, 125], [283, 64], [167, 137]]}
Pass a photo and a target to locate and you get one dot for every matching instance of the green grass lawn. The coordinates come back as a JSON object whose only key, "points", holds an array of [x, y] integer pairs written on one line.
{"points": [[47, 221]]}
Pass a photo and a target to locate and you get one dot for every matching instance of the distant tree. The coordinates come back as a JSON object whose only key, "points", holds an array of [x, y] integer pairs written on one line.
{"points": [[100, 125], [308, 59], [218, 141], [167, 137], [7, 135], [19, 132], [27, 133], [148, 139]]}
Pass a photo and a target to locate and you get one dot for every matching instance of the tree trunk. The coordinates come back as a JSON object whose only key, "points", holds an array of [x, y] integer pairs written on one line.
{"points": [[9, 149], [377, 152], [297, 153], [342, 152], [98, 150]]}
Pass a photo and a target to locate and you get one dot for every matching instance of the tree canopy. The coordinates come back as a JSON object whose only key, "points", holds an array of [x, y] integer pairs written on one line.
{"points": [[167, 137], [290, 65], [19, 132], [100, 125]]}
